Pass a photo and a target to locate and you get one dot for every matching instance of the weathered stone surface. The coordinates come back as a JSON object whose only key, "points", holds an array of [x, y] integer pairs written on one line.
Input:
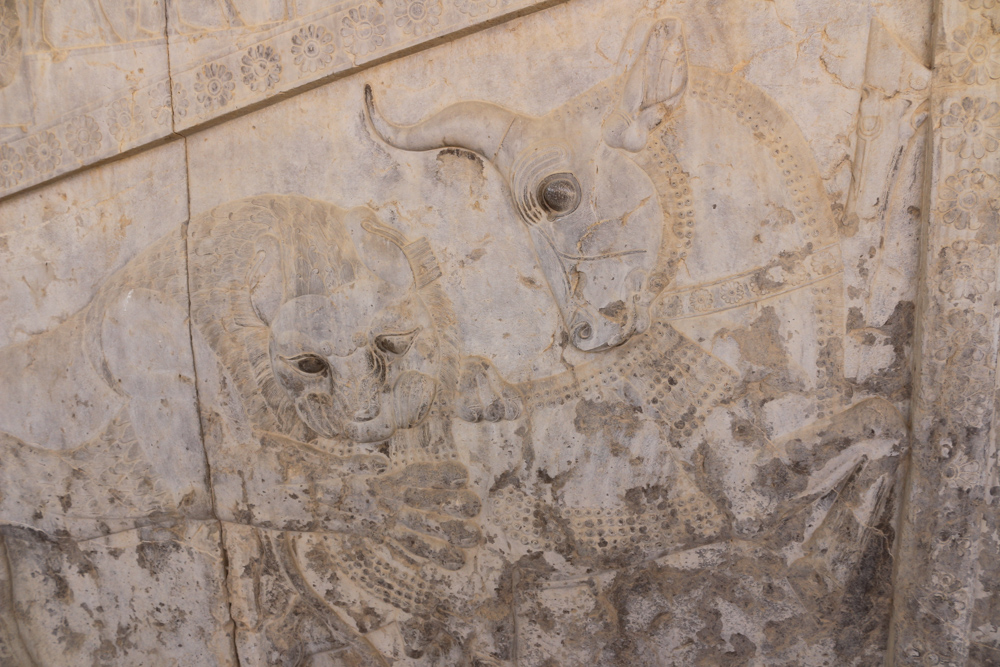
{"points": [[585, 338], [946, 602], [111, 550], [79, 82], [707, 406], [85, 81], [225, 56]]}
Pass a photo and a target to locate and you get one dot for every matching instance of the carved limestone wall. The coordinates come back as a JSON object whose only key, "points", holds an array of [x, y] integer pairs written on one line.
{"points": [[946, 599], [499, 332]]}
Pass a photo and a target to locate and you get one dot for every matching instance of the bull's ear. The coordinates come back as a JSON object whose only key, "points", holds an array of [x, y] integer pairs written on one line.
{"points": [[654, 86], [664, 65]]}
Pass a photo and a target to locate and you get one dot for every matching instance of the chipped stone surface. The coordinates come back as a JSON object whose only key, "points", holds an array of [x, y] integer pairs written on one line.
{"points": [[226, 56], [79, 82], [570, 333], [111, 551], [86, 81], [946, 602]]}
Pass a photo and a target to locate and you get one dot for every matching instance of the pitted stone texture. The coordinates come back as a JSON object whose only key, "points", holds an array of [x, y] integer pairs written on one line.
{"points": [[230, 55], [80, 82], [605, 361], [111, 555], [713, 459]]}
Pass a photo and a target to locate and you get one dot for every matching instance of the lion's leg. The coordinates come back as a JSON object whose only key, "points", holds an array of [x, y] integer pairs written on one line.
{"points": [[146, 346]]}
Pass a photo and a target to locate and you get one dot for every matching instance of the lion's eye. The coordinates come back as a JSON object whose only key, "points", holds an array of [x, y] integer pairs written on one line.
{"points": [[559, 193], [311, 364], [395, 344]]}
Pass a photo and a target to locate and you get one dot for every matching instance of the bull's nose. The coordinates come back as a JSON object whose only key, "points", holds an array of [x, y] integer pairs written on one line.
{"points": [[589, 334], [582, 333]]}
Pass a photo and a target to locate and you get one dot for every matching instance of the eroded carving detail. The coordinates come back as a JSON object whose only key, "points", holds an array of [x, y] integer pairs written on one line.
{"points": [[261, 68], [648, 383], [563, 172], [10, 42], [704, 486], [349, 391], [945, 610]]}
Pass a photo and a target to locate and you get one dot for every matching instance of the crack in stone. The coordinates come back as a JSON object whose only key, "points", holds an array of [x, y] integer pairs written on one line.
{"points": [[224, 555]]}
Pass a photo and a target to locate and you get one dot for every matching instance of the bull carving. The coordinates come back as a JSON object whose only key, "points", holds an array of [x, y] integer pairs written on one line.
{"points": [[592, 212]]}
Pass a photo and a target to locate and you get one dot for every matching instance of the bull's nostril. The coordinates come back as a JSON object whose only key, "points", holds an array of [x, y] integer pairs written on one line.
{"points": [[583, 331]]}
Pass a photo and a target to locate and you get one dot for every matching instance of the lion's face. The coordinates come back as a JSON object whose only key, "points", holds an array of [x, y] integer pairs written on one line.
{"points": [[359, 363]]}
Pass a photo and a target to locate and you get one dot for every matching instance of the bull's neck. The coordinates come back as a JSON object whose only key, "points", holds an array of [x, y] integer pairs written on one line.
{"points": [[660, 367]]}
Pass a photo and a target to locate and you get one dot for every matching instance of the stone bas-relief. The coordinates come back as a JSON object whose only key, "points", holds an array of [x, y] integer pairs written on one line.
{"points": [[232, 54], [332, 367], [110, 555], [79, 82], [285, 399], [807, 512], [946, 592], [83, 81]]}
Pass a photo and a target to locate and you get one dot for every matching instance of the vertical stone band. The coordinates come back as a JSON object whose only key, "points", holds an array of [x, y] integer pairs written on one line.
{"points": [[947, 556]]}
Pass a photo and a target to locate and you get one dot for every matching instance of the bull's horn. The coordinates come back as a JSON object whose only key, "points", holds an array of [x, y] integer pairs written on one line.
{"points": [[476, 126]]}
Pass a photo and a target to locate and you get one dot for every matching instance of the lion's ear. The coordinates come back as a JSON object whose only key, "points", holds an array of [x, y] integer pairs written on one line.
{"points": [[265, 282], [379, 247]]}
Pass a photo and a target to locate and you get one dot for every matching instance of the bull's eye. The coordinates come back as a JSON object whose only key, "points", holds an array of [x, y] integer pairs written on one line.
{"points": [[559, 193], [311, 364]]}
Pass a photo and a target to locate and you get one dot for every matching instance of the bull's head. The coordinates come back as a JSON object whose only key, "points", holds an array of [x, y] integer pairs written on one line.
{"points": [[592, 212]]}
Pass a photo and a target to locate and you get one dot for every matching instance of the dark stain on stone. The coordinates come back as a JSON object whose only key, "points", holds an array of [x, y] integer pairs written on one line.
{"points": [[710, 469], [154, 555], [505, 479], [788, 261], [123, 638], [461, 153], [69, 638], [763, 351], [641, 499], [366, 618], [105, 653], [615, 311], [893, 383], [529, 282], [746, 432], [778, 481], [556, 482], [616, 422], [548, 521]]}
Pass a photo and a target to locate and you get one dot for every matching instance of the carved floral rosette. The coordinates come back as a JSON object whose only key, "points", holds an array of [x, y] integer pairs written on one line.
{"points": [[259, 65], [947, 552], [324, 44], [99, 130]]}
